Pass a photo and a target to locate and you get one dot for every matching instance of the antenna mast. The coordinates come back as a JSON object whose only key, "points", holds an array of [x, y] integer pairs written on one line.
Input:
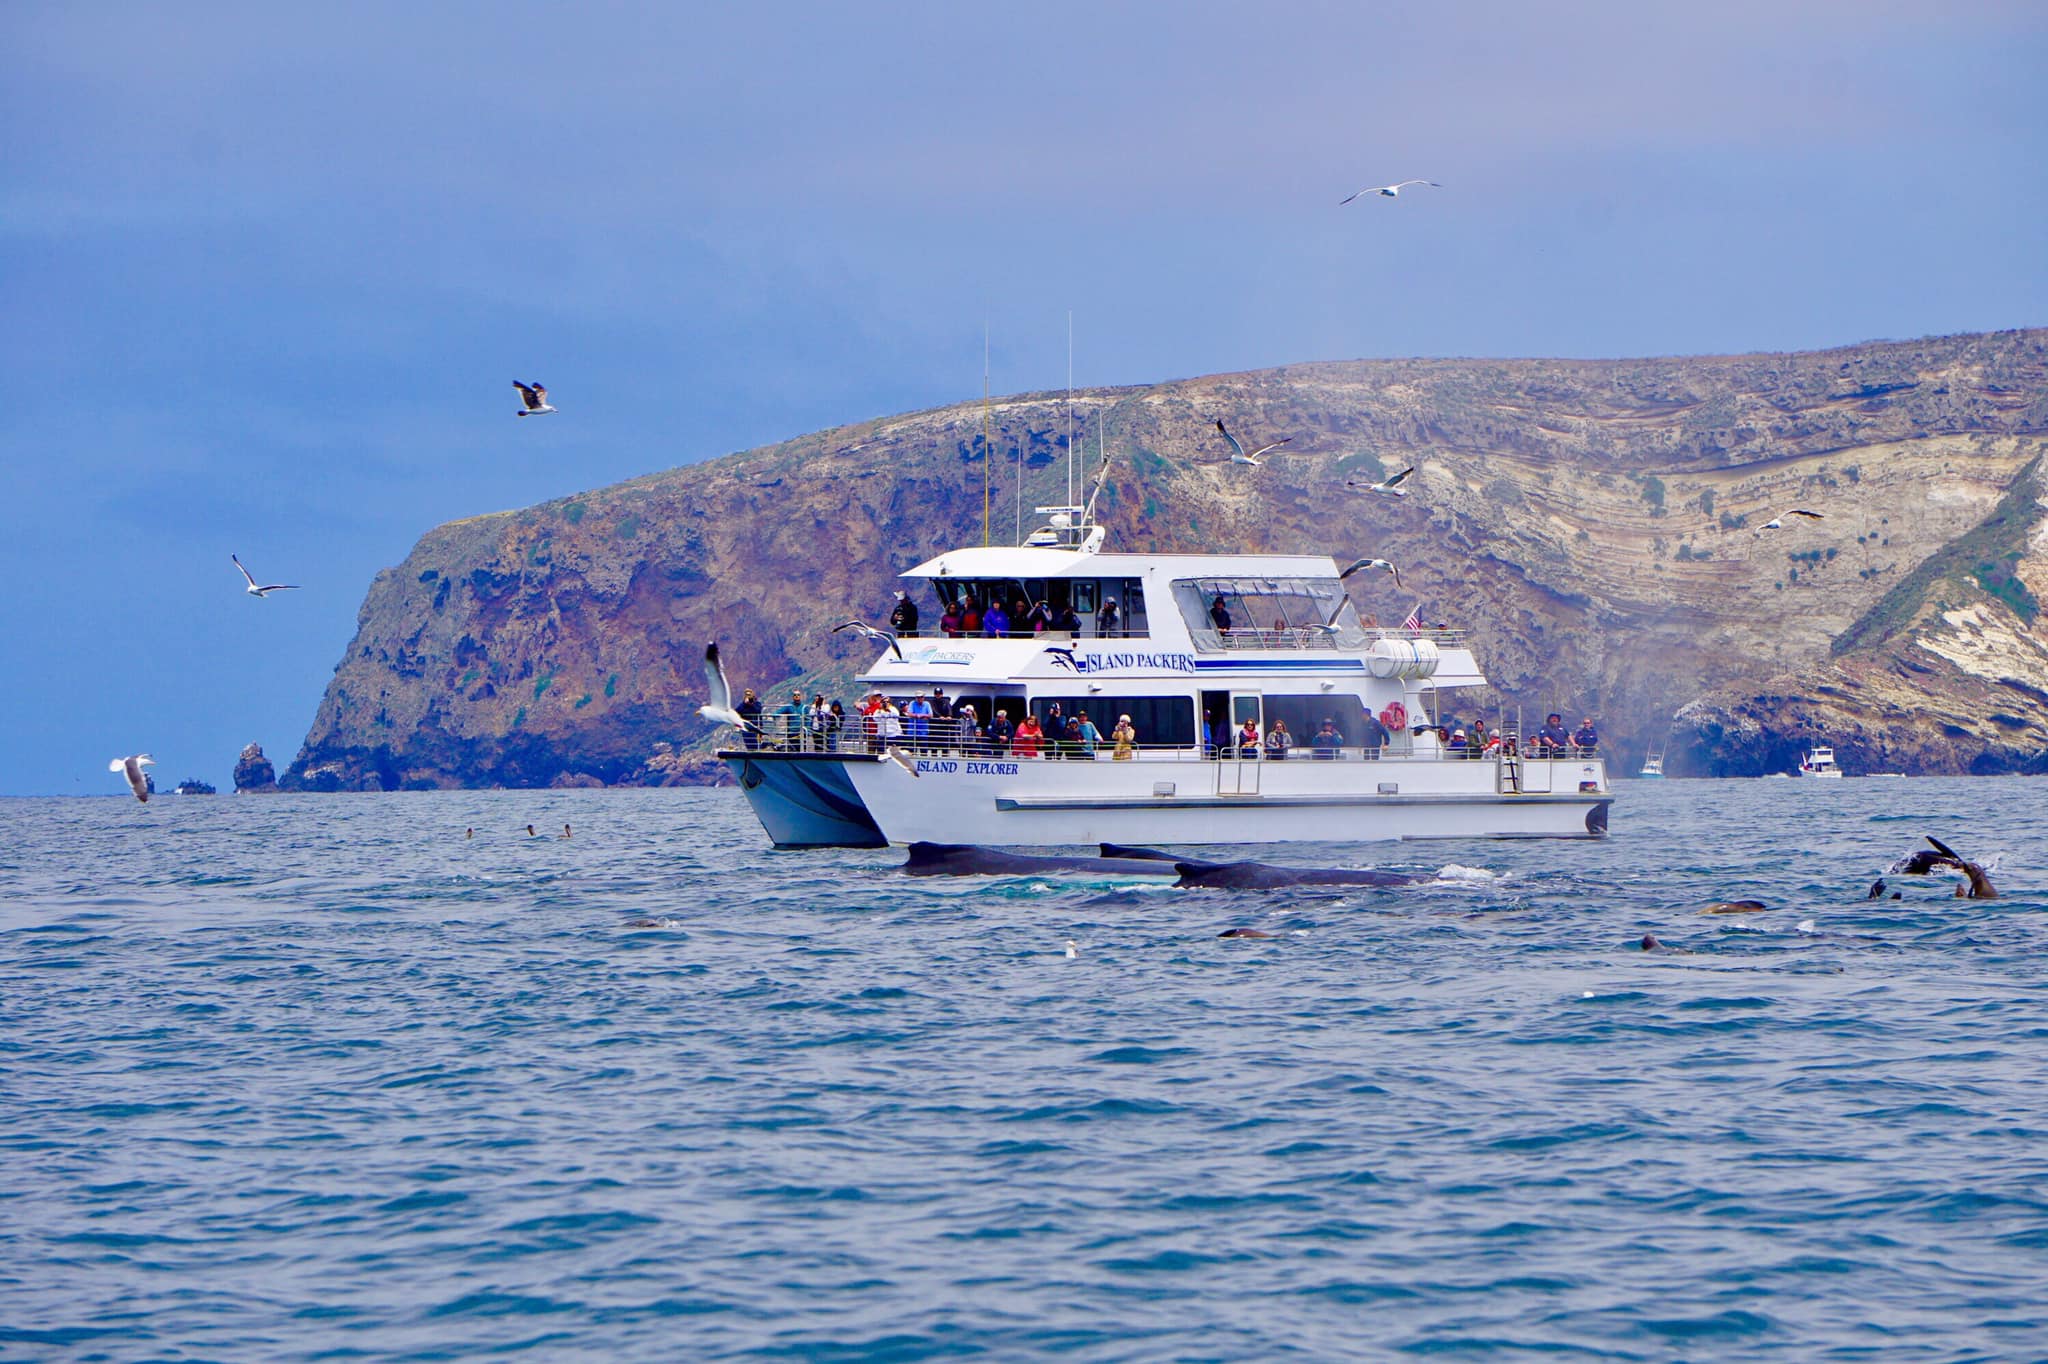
{"points": [[1070, 407], [988, 454]]}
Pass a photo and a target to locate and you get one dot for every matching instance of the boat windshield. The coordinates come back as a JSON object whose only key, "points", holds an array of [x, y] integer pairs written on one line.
{"points": [[1267, 613]]}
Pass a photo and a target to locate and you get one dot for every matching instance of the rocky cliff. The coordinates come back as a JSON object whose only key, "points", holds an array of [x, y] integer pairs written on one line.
{"points": [[1596, 524]]}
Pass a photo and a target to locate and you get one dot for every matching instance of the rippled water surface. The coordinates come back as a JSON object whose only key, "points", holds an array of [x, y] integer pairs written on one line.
{"points": [[301, 1078]]}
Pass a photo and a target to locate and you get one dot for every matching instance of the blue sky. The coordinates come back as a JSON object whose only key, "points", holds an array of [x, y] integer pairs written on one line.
{"points": [[266, 272]]}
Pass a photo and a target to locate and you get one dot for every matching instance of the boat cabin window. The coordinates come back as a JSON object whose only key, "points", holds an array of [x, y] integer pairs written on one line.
{"points": [[1085, 596], [1268, 613], [1305, 715], [1160, 721]]}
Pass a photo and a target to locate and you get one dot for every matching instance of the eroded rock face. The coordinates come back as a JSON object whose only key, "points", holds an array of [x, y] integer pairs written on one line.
{"points": [[1595, 524], [253, 773]]}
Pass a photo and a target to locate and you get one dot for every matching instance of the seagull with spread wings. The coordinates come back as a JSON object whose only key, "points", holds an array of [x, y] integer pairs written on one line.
{"points": [[718, 710], [1237, 454], [879, 636], [535, 396], [131, 768], [1778, 522], [265, 590], [1361, 564], [1387, 191], [1389, 486]]}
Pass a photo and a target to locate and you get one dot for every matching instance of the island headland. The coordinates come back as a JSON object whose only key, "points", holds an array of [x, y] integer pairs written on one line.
{"points": [[1596, 525]]}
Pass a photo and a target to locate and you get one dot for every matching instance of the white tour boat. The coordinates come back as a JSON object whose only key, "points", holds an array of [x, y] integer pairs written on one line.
{"points": [[1199, 645], [1819, 762], [1653, 764]]}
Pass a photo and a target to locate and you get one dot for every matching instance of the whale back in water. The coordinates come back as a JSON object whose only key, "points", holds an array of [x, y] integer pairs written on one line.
{"points": [[1266, 876], [1140, 854], [968, 859]]}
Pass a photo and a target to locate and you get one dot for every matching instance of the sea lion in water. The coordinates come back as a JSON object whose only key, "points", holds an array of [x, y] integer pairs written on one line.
{"points": [[1650, 943], [1921, 863], [1736, 907], [1243, 933]]}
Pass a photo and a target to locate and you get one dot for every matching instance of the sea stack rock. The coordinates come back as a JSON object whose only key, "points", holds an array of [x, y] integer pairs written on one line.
{"points": [[254, 774]]}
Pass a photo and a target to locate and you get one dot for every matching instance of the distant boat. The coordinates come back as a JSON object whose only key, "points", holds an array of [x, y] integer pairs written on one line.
{"points": [[1653, 765], [1819, 762]]}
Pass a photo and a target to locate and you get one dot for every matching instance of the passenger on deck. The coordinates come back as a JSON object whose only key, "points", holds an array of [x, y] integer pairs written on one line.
{"points": [[1067, 619], [949, 621], [1070, 741], [1039, 617], [903, 619], [1220, 614], [1125, 737], [1327, 739], [836, 732], [1020, 619], [917, 721], [1376, 736], [1475, 746], [999, 733], [787, 723], [942, 717], [1552, 738], [967, 728], [970, 619], [1055, 731], [1456, 747], [888, 724], [818, 724], [1028, 737], [749, 710], [1278, 741], [995, 623], [1248, 739], [1108, 623], [1586, 738], [1087, 735]]}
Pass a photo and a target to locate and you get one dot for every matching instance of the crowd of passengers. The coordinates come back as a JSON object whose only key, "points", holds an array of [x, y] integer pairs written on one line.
{"points": [[967, 619], [933, 722], [928, 722]]}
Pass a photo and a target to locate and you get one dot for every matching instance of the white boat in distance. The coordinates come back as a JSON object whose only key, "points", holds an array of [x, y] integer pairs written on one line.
{"points": [[1819, 762], [1200, 644], [1653, 764]]}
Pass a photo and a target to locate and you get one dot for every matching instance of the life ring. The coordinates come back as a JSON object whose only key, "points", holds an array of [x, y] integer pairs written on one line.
{"points": [[1395, 716]]}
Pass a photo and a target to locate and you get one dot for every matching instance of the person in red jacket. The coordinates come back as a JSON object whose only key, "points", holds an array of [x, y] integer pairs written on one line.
{"points": [[1025, 744]]}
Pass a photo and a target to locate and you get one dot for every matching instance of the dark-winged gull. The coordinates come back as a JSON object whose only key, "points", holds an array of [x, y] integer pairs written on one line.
{"points": [[1778, 522], [535, 396], [131, 768], [1237, 454], [1361, 564], [874, 633], [1387, 191], [265, 590]]}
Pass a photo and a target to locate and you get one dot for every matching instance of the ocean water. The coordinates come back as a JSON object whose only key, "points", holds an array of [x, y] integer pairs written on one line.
{"points": [[311, 1078]]}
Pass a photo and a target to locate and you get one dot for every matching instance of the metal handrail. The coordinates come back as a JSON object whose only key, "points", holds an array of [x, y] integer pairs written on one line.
{"points": [[785, 733]]}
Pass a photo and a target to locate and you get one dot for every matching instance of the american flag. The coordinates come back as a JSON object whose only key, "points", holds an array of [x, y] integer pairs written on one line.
{"points": [[1414, 621]]}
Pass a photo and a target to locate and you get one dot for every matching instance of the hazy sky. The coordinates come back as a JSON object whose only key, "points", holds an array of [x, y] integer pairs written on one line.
{"points": [[267, 271]]}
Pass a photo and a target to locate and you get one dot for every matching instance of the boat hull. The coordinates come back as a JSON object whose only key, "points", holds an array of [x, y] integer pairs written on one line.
{"points": [[803, 800], [806, 800]]}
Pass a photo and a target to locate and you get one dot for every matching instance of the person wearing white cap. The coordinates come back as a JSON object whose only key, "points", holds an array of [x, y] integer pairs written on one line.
{"points": [[903, 619]]}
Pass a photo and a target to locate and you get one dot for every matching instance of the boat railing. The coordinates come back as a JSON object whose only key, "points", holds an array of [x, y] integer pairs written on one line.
{"points": [[947, 737], [1346, 639]]}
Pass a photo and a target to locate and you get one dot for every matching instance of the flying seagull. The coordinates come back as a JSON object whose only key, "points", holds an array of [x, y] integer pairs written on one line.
{"points": [[1387, 191], [1238, 456], [132, 769], [1372, 563], [719, 708], [879, 636], [535, 397], [1778, 522], [895, 755], [268, 588], [1391, 486]]}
